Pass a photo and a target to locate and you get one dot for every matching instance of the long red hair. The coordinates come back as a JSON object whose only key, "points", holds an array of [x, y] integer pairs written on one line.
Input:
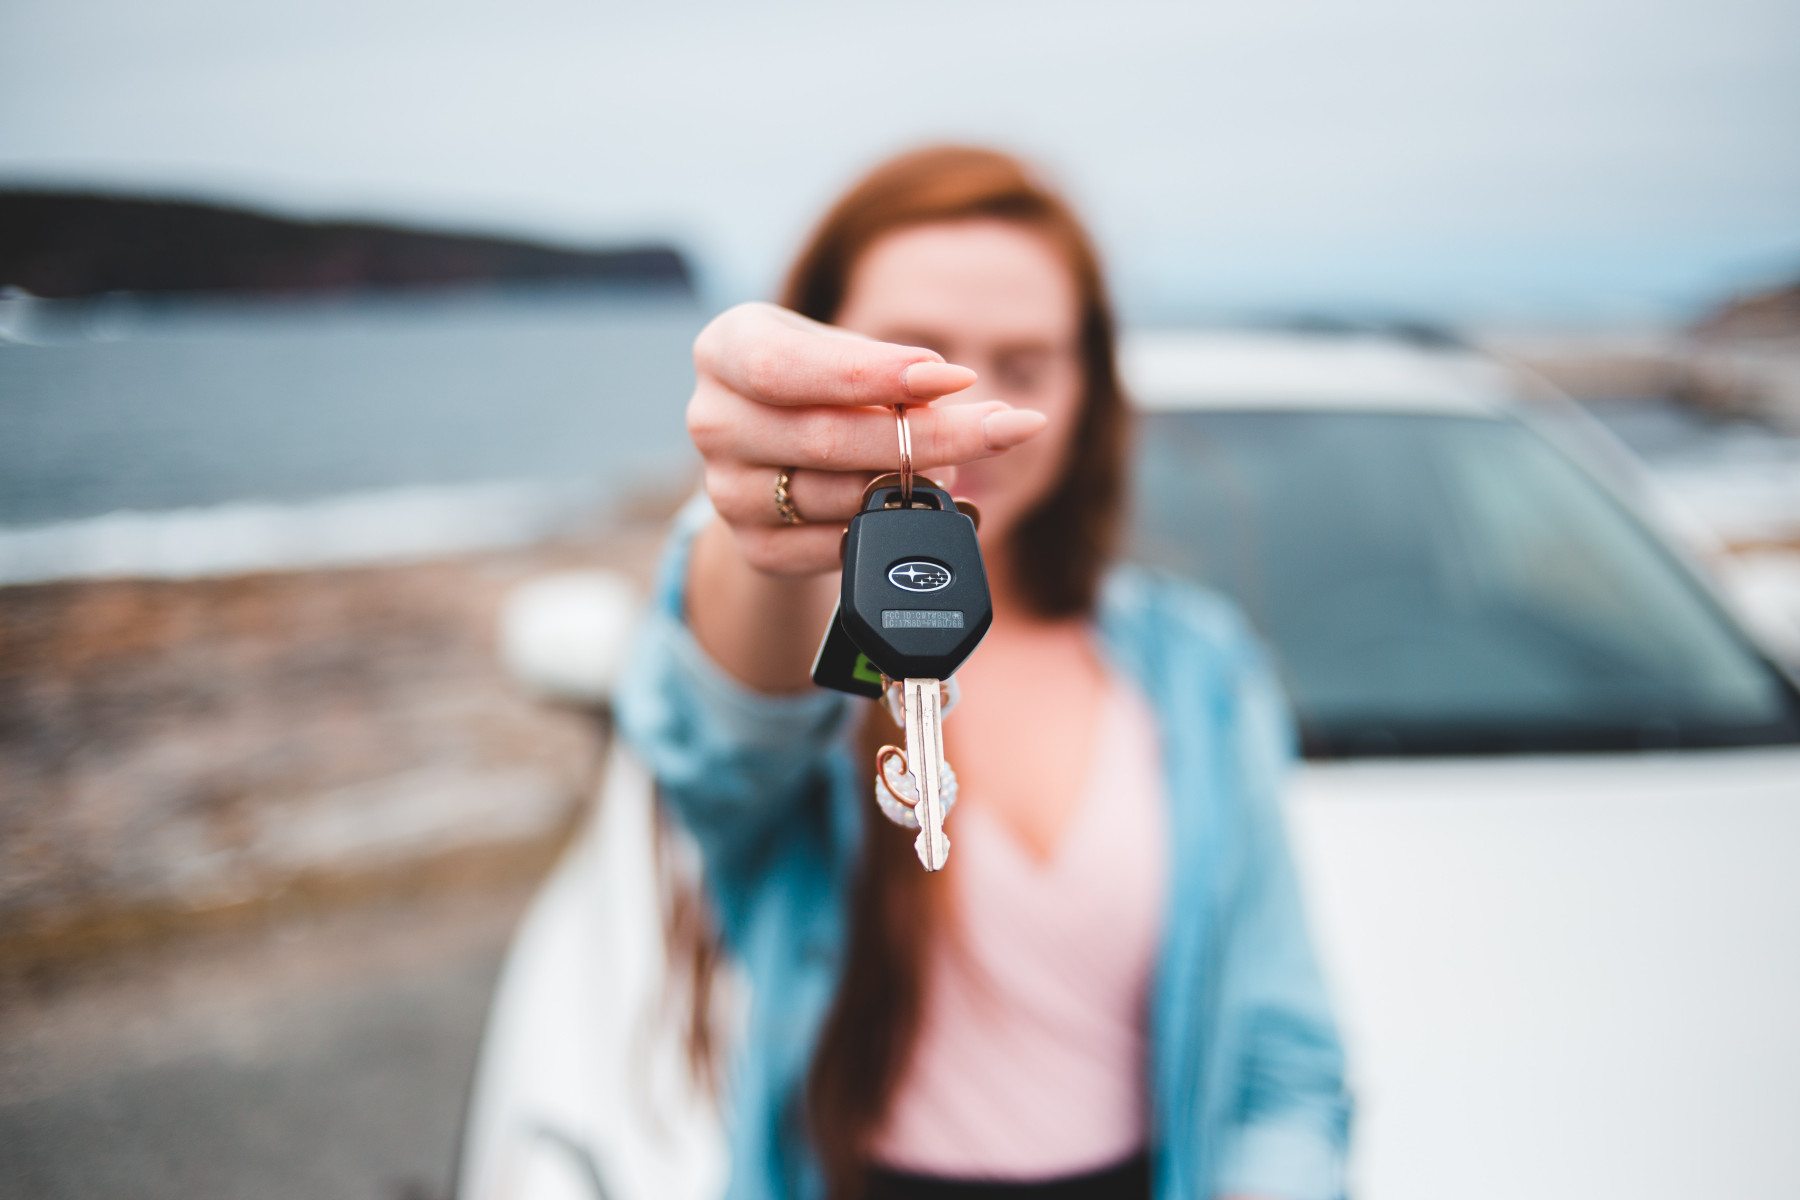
{"points": [[1057, 553]]}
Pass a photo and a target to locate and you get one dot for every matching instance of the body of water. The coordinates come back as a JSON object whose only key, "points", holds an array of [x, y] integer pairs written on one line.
{"points": [[262, 433]]}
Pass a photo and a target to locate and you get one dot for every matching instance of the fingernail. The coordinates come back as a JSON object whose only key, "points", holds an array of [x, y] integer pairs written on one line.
{"points": [[929, 380], [1005, 429]]}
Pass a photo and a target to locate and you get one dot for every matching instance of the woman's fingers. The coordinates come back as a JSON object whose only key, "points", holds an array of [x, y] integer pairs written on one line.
{"points": [[776, 388], [745, 495], [802, 550], [778, 357], [725, 425]]}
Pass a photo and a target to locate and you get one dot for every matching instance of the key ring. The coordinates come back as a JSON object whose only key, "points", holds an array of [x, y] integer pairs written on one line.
{"points": [[906, 464]]}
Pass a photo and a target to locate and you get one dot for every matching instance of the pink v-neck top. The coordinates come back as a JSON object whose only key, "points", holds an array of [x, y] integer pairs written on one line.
{"points": [[1031, 1060]]}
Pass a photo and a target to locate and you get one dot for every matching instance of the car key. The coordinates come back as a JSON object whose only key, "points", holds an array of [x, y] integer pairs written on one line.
{"points": [[915, 602]]}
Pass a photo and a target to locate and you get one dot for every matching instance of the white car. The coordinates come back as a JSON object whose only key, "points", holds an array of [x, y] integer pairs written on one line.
{"points": [[1549, 816], [1547, 819]]}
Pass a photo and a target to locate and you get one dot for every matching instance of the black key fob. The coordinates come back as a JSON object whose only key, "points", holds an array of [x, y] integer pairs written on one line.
{"points": [[915, 593]]}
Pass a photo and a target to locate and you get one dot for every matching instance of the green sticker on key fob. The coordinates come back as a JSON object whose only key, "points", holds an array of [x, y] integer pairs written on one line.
{"points": [[840, 666]]}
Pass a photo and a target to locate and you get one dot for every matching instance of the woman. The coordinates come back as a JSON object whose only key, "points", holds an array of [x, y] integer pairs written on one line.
{"points": [[1108, 991]]}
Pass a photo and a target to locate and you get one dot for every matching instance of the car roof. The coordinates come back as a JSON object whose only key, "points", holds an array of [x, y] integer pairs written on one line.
{"points": [[1191, 370]]}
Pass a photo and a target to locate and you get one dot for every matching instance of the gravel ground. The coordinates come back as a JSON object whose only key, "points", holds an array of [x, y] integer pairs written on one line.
{"points": [[316, 1056]]}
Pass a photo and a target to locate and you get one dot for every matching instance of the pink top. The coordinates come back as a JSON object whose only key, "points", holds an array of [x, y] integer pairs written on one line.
{"points": [[1031, 1059]]}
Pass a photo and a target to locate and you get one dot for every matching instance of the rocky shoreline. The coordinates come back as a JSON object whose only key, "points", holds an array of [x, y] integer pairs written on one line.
{"points": [[183, 751]]}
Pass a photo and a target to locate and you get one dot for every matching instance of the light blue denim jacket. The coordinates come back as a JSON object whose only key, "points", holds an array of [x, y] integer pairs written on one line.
{"points": [[1245, 1071]]}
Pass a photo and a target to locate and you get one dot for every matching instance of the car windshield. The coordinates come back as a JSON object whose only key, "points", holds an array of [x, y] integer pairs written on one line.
{"points": [[1437, 584]]}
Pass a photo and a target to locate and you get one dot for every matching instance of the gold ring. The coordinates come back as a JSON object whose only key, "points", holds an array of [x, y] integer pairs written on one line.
{"points": [[784, 499]]}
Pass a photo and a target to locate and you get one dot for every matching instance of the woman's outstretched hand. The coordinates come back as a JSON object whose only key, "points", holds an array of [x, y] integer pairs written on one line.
{"points": [[775, 390]]}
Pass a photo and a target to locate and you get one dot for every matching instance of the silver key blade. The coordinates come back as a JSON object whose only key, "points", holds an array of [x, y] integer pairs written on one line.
{"points": [[925, 758]]}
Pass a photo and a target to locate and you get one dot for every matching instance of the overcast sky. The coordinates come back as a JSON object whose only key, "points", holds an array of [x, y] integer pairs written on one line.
{"points": [[1489, 159]]}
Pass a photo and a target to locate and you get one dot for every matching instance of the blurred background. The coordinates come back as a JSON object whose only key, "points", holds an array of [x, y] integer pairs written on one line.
{"points": [[326, 326]]}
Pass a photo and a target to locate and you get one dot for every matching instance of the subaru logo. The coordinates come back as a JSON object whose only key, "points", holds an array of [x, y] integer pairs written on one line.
{"points": [[919, 576]]}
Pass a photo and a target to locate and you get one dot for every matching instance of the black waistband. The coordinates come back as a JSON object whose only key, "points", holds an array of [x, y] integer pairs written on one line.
{"points": [[1129, 1180]]}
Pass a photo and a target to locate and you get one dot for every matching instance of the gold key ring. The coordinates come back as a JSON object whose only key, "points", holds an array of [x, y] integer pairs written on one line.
{"points": [[906, 463]]}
